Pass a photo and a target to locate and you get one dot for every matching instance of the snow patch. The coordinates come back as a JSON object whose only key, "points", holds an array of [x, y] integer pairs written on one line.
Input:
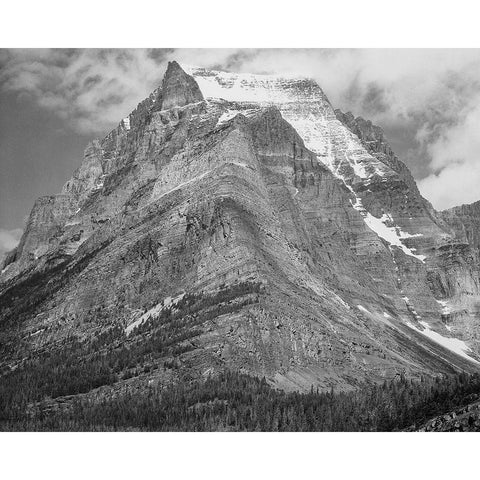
{"points": [[392, 234], [411, 309], [231, 113], [240, 87], [453, 344], [446, 309], [303, 104], [100, 182], [384, 226], [240, 164], [37, 332], [363, 309], [126, 123], [340, 300], [180, 185], [154, 312]]}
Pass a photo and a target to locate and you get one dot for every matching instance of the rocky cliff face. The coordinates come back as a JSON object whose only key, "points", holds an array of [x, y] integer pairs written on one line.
{"points": [[246, 224], [461, 280], [448, 239]]}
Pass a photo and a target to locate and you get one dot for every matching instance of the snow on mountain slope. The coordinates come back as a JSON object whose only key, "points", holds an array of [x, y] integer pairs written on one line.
{"points": [[453, 344], [304, 105], [231, 113], [385, 228]]}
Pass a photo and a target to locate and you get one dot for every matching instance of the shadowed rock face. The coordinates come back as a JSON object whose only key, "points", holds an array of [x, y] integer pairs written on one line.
{"points": [[178, 88], [249, 201]]}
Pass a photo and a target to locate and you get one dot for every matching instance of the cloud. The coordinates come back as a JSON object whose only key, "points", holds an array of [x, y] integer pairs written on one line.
{"points": [[90, 89], [426, 98], [9, 240], [454, 185], [455, 155]]}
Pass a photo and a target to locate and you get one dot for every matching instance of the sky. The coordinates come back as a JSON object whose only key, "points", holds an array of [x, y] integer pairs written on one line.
{"points": [[54, 101]]}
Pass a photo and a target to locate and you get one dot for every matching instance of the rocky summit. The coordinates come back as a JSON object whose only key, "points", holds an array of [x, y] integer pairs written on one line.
{"points": [[237, 222]]}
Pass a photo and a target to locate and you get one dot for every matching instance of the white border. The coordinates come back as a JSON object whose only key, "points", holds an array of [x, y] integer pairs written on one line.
{"points": [[239, 23], [234, 23], [227, 456]]}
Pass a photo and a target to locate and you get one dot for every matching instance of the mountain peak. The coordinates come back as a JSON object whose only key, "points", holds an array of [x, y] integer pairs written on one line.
{"points": [[179, 88]]}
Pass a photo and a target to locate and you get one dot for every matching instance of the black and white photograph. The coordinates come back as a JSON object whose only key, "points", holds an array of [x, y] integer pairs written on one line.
{"points": [[254, 239]]}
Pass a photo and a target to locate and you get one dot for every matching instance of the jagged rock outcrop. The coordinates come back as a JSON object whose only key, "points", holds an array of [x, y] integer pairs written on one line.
{"points": [[238, 221], [374, 140], [178, 88]]}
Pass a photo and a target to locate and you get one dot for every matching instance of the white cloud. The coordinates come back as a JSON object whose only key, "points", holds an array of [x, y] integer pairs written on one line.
{"points": [[9, 239], [100, 86], [456, 162], [91, 89], [460, 142], [454, 185]]}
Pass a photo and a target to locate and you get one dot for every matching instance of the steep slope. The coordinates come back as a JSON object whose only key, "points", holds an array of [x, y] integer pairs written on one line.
{"points": [[461, 281], [449, 238], [231, 221], [466, 222]]}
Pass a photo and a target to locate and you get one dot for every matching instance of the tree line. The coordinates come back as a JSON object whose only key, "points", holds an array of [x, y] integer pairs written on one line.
{"points": [[231, 401]]}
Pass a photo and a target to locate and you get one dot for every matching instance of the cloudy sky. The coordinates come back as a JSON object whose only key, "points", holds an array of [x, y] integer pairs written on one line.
{"points": [[52, 102]]}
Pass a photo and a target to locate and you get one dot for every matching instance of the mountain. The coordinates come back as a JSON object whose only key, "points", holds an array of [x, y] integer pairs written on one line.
{"points": [[238, 222]]}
